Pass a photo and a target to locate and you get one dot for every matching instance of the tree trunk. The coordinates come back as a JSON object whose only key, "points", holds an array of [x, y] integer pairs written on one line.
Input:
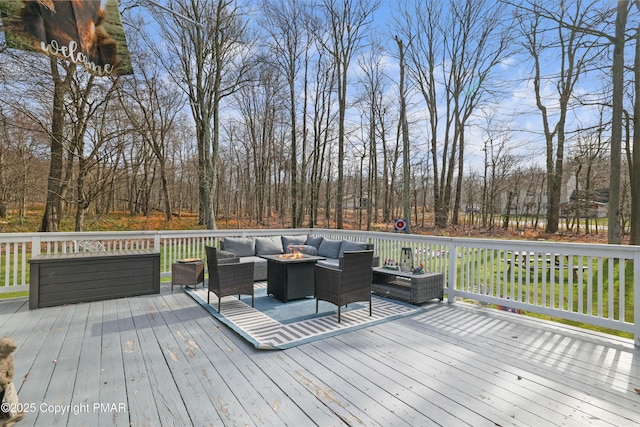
{"points": [[635, 167], [404, 125], [53, 207], [613, 235]]}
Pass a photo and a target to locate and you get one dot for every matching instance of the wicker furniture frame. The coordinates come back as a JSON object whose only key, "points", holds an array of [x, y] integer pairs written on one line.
{"points": [[350, 284], [409, 287], [187, 274], [230, 278]]}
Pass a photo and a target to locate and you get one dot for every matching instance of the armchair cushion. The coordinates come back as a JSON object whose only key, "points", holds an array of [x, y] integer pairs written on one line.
{"points": [[269, 245], [240, 246], [348, 246], [329, 248], [225, 255]]}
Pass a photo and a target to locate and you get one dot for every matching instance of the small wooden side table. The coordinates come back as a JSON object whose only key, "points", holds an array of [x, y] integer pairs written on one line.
{"points": [[187, 274]]}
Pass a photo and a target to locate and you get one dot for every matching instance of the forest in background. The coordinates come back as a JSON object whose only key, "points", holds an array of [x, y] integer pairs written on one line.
{"points": [[488, 114]]}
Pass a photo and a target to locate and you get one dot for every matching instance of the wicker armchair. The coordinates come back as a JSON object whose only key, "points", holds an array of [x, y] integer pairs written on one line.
{"points": [[350, 284], [228, 278]]}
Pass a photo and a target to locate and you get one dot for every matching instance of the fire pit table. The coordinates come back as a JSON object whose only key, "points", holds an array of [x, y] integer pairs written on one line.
{"points": [[290, 276]]}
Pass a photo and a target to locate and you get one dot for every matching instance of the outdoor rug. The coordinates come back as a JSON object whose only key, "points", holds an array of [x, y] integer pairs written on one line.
{"points": [[273, 325]]}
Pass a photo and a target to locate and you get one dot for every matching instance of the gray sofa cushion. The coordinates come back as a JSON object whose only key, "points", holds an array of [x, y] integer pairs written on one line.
{"points": [[314, 241], [240, 246], [271, 245], [348, 246], [293, 240], [329, 248]]}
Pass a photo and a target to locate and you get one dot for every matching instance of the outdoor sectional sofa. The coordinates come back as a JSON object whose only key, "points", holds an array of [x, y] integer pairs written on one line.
{"points": [[250, 249]]}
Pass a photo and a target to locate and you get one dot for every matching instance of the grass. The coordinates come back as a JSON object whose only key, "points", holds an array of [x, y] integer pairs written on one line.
{"points": [[545, 297], [14, 295]]}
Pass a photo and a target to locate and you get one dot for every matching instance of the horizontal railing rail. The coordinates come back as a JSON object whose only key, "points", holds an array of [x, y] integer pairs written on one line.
{"points": [[588, 283]]}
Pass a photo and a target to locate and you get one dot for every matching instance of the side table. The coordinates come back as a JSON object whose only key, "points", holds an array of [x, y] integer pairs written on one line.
{"points": [[409, 287], [187, 274]]}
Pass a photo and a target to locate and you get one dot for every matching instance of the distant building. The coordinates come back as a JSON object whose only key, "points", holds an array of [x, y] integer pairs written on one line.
{"points": [[595, 204]]}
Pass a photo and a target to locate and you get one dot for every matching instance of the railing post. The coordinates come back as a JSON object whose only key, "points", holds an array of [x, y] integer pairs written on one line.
{"points": [[452, 274], [35, 246], [156, 242], [636, 298]]}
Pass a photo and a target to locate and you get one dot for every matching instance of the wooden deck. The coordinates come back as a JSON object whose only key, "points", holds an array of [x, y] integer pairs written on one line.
{"points": [[162, 360]]}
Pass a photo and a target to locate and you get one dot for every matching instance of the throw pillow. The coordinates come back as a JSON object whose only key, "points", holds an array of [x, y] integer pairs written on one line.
{"points": [[293, 240], [314, 241], [348, 246], [269, 245], [240, 246], [305, 249], [329, 248]]}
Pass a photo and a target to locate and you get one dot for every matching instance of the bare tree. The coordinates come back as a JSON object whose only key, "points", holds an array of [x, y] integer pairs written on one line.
{"points": [[576, 50], [499, 165], [261, 108], [211, 58], [348, 22], [20, 143], [451, 53], [373, 84], [61, 86], [289, 44], [404, 128], [324, 83], [635, 165], [152, 105], [88, 97]]}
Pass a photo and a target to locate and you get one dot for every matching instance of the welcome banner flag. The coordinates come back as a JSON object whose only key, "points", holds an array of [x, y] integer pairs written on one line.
{"points": [[86, 32]]}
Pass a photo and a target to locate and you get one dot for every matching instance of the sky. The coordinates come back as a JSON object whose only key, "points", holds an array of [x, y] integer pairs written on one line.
{"points": [[516, 111]]}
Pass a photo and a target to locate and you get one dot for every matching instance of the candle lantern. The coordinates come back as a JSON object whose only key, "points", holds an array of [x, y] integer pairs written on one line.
{"points": [[406, 260]]}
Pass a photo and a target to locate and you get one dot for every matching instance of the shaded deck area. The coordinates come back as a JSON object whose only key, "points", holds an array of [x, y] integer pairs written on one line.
{"points": [[162, 360]]}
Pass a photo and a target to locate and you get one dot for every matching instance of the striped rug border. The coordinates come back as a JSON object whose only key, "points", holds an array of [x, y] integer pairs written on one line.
{"points": [[265, 333]]}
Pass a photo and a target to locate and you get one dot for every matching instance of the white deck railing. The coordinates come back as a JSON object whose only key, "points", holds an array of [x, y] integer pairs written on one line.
{"points": [[589, 283]]}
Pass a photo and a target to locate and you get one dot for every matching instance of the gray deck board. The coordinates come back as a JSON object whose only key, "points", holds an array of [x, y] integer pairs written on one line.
{"points": [[209, 367], [484, 386], [45, 363], [140, 394], [171, 363], [12, 306], [112, 384], [372, 392], [532, 363], [294, 402], [410, 378], [233, 373], [166, 395], [284, 410], [288, 376], [60, 389], [184, 358], [86, 392]]}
